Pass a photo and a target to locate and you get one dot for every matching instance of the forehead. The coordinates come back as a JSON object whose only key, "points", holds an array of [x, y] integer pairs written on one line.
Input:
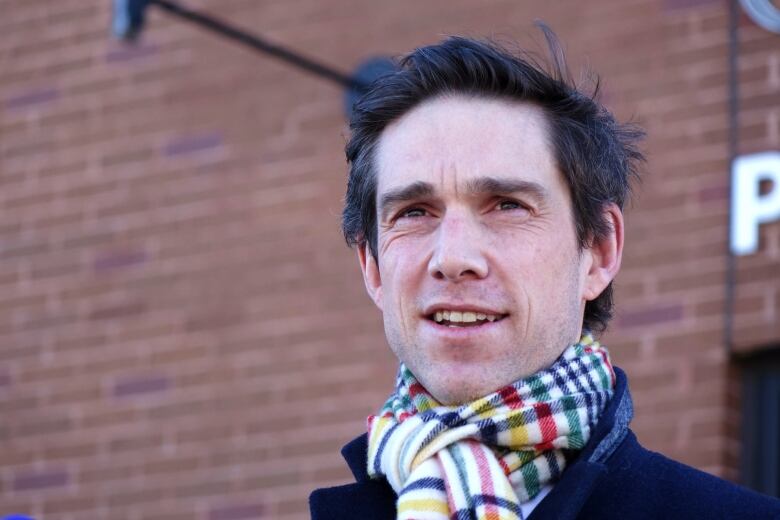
{"points": [[451, 140]]}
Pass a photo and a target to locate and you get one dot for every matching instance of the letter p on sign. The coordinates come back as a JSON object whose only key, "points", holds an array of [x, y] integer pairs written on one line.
{"points": [[749, 208]]}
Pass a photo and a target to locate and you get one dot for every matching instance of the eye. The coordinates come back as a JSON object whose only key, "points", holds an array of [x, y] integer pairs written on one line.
{"points": [[412, 213], [506, 205]]}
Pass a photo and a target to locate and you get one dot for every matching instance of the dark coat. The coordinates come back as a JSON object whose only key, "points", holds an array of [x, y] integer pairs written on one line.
{"points": [[613, 477]]}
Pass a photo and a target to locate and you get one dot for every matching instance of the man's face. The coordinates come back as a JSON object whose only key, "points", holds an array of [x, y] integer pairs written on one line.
{"points": [[479, 275]]}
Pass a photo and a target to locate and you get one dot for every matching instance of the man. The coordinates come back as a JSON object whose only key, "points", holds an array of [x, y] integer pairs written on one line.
{"points": [[485, 200]]}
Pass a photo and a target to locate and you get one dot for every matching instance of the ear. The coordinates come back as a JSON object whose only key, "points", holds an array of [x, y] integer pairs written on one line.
{"points": [[605, 255], [371, 276]]}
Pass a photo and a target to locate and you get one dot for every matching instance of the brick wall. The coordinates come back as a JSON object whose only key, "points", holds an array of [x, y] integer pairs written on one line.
{"points": [[183, 333]]}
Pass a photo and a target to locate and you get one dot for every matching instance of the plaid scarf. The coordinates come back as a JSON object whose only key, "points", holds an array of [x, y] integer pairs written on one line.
{"points": [[483, 459]]}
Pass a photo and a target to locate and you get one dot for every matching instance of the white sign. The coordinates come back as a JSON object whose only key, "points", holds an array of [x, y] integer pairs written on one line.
{"points": [[749, 208]]}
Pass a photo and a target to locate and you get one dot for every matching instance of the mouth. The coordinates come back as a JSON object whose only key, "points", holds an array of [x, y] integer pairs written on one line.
{"points": [[463, 319]]}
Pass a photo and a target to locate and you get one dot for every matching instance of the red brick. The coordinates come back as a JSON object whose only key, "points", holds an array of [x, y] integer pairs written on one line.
{"points": [[650, 316]]}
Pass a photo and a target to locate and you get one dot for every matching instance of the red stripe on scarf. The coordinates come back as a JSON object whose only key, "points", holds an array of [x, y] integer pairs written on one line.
{"points": [[546, 425], [415, 389], [486, 482], [612, 376], [604, 357], [510, 397]]}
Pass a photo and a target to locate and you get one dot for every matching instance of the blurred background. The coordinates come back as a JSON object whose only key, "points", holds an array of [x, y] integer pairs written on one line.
{"points": [[184, 334]]}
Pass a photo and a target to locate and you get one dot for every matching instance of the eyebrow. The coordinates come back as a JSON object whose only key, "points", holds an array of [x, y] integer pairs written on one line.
{"points": [[482, 185], [416, 190], [497, 185]]}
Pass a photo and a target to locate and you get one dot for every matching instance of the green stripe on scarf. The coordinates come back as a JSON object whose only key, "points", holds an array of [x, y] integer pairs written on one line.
{"points": [[460, 462], [570, 407]]}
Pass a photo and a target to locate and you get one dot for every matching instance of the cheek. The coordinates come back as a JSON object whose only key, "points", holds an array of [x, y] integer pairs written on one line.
{"points": [[544, 272], [400, 274], [402, 256], [404, 284]]}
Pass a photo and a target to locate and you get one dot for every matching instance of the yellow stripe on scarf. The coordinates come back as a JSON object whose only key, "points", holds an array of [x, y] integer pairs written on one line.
{"points": [[423, 504], [518, 435]]}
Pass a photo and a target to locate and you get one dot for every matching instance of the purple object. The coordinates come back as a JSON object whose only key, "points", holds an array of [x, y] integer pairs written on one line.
{"points": [[192, 143], [118, 260], [237, 512], [40, 480], [31, 97], [141, 385]]}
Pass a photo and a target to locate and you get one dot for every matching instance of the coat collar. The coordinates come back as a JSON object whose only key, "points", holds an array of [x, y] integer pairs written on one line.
{"points": [[356, 454]]}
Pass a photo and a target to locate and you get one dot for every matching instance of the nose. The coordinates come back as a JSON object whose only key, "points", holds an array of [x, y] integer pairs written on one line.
{"points": [[458, 251]]}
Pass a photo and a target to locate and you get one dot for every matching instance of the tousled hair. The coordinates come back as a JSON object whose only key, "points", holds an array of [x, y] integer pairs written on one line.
{"points": [[597, 156]]}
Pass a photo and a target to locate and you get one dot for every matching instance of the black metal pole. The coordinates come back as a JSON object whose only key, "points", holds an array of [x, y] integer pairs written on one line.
{"points": [[260, 45]]}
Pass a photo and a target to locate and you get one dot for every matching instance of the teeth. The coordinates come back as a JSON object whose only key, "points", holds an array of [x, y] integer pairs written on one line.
{"points": [[462, 317]]}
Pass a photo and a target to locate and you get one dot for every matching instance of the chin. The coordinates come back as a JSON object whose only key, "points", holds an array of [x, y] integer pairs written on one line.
{"points": [[452, 395], [454, 383]]}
